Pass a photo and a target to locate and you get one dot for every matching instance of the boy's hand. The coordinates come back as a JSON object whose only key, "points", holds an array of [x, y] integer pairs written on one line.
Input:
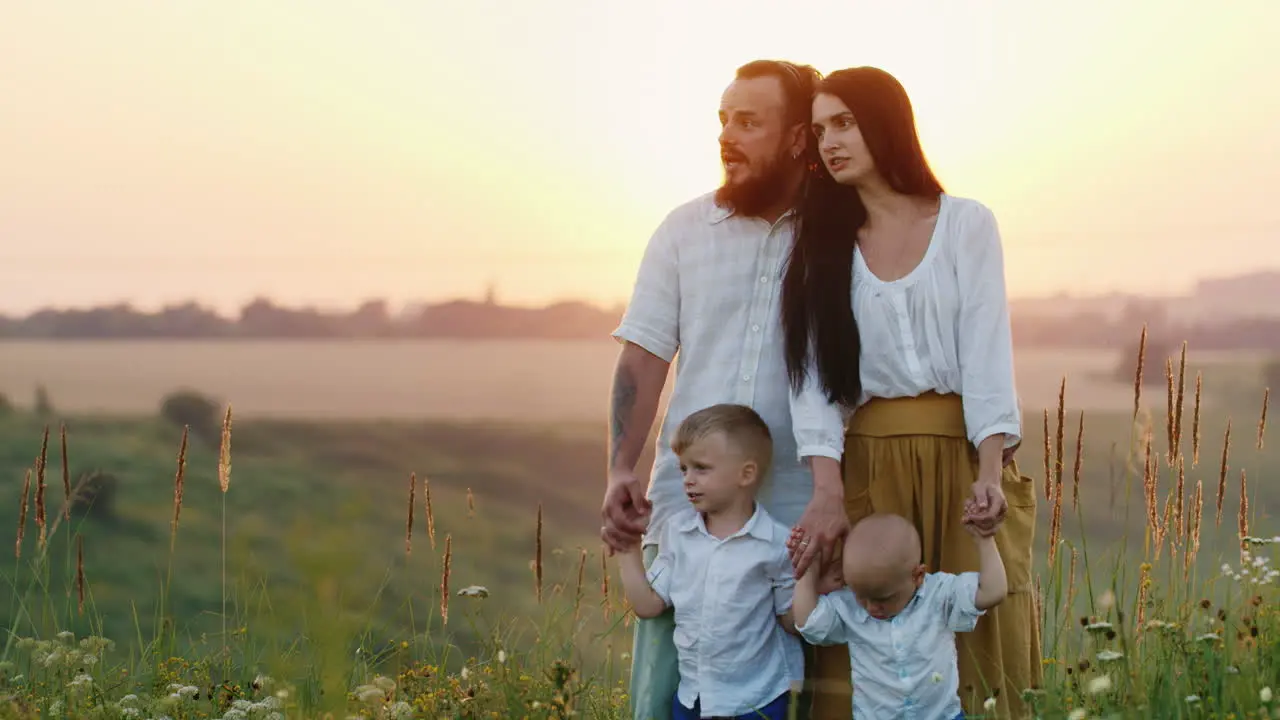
{"points": [[828, 573], [831, 576], [974, 528]]}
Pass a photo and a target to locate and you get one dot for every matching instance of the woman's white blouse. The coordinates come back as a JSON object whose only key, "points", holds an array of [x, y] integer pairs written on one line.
{"points": [[943, 327]]}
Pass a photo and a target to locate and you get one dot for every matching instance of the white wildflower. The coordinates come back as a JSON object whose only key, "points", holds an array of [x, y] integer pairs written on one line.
{"points": [[1107, 600], [235, 714], [369, 693], [401, 711], [1098, 627], [1100, 684], [936, 678], [1265, 694], [65, 635], [1109, 655], [502, 657], [474, 591], [1193, 699], [1077, 714], [989, 705], [385, 683], [1209, 637]]}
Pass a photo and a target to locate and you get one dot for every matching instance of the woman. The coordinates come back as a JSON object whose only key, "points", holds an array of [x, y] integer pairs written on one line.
{"points": [[921, 359]]}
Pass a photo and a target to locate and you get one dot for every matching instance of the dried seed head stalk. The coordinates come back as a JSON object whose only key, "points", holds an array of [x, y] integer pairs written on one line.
{"points": [[1193, 533], [582, 578], [224, 453], [66, 476], [178, 480], [1149, 491], [41, 516], [605, 602], [1178, 507], [444, 578], [537, 556], [1222, 471], [22, 515], [1242, 516], [1262, 420], [1144, 587], [1055, 525], [1075, 471], [408, 526], [80, 573], [1058, 446], [1071, 579], [1195, 424], [1168, 373], [1164, 528], [1137, 377], [471, 504], [431, 517], [1180, 403], [1048, 459]]}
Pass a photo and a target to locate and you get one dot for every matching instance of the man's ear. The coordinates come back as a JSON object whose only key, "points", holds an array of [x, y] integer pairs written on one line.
{"points": [[798, 140]]}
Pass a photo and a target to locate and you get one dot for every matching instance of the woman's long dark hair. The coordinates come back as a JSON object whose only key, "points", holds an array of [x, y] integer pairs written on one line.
{"points": [[817, 311]]}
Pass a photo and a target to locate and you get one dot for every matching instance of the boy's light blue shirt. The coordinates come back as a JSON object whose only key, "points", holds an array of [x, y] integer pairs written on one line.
{"points": [[904, 667]]}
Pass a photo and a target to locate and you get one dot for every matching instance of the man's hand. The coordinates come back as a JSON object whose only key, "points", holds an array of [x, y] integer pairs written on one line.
{"points": [[625, 512], [819, 532]]}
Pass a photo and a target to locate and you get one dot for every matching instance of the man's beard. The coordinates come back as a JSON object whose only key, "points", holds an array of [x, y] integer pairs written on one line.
{"points": [[759, 192]]}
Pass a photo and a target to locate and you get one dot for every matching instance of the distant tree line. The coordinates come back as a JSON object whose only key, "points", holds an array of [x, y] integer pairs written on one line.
{"points": [[465, 319], [263, 319]]}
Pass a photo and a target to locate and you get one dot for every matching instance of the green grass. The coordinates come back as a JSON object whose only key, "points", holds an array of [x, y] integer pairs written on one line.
{"points": [[325, 612]]}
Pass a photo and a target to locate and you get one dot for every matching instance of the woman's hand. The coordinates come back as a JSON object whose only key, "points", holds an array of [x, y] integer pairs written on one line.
{"points": [[987, 506], [822, 527]]}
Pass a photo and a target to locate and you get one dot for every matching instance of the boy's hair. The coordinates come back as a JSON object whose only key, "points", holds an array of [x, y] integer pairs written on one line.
{"points": [[741, 425]]}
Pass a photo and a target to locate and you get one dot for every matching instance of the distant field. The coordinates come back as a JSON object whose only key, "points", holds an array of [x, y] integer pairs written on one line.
{"points": [[521, 381]]}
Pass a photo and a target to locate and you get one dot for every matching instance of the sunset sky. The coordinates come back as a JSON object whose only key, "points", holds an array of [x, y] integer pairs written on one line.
{"points": [[154, 152]]}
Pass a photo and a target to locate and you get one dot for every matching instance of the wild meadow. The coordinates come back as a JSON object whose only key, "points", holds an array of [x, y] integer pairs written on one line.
{"points": [[310, 573]]}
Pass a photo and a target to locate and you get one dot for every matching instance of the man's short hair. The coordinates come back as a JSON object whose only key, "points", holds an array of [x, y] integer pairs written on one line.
{"points": [[741, 425], [799, 83]]}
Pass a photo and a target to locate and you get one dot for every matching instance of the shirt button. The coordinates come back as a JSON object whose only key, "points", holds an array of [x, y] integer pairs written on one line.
{"points": [[755, 328], [746, 378], [764, 278]]}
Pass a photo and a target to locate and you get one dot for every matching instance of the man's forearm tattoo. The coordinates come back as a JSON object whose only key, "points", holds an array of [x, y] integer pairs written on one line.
{"points": [[624, 401]]}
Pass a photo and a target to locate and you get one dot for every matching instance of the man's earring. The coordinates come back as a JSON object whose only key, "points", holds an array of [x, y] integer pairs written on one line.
{"points": [[795, 154]]}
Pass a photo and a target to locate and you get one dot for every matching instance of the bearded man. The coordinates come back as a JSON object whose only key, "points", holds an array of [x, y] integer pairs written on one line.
{"points": [[708, 289]]}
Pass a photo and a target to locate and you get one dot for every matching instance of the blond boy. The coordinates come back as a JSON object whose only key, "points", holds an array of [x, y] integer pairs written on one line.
{"points": [[723, 567]]}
